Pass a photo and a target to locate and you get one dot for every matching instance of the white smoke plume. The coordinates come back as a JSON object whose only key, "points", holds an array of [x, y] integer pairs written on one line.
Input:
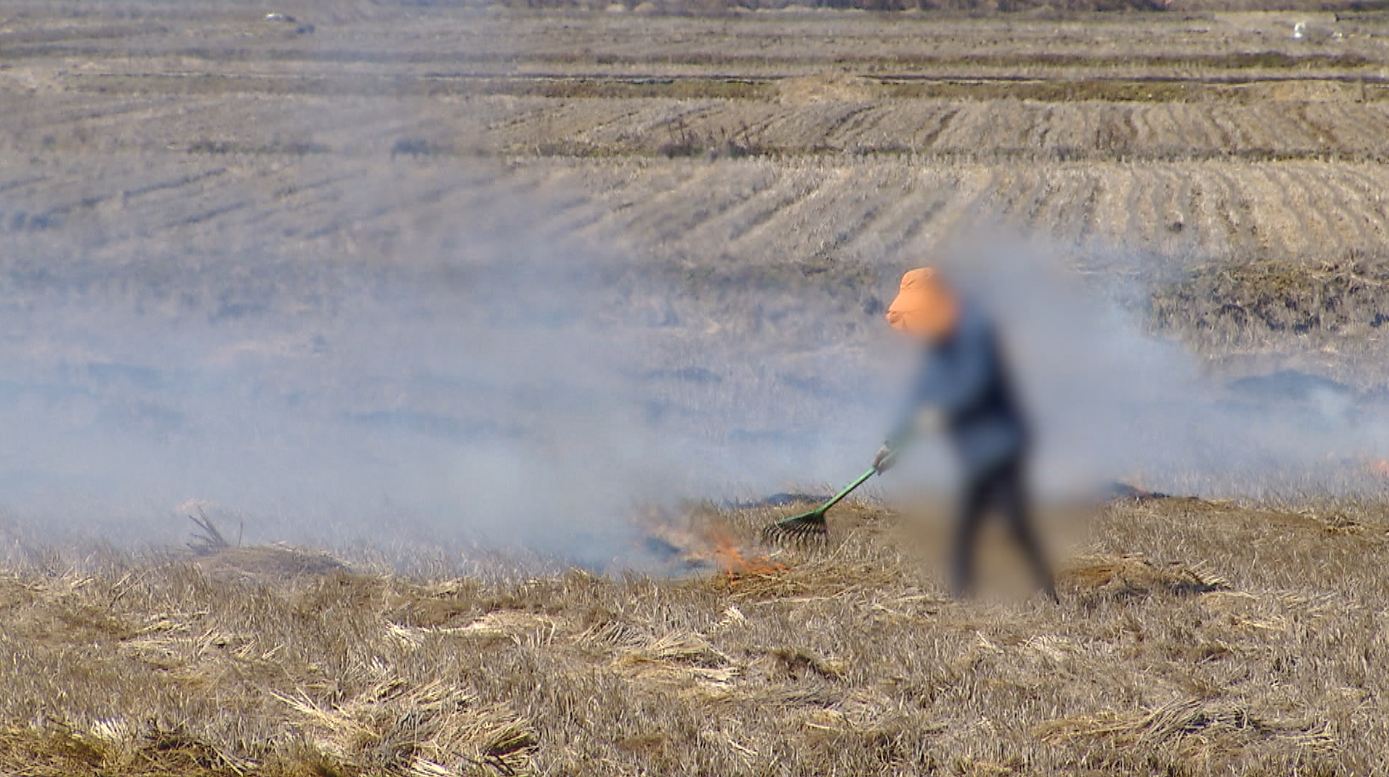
{"points": [[492, 387], [1114, 400]]}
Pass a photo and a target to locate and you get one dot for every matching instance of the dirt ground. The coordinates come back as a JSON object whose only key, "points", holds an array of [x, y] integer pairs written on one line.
{"points": [[801, 158]]}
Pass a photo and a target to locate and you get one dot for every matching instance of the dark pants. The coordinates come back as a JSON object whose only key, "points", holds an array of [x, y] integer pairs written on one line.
{"points": [[1002, 488]]}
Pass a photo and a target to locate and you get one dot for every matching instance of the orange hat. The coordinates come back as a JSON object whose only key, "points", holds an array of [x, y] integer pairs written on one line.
{"points": [[925, 305]]}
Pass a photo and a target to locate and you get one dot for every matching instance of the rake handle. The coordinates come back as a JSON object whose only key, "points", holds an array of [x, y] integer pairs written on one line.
{"points": [[849, 489]]}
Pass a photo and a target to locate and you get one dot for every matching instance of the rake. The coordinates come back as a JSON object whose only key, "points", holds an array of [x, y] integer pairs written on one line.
{"points": [[811, 525]]}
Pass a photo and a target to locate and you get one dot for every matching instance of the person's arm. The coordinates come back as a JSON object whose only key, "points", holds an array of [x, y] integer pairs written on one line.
{"points": [[920, 412]]}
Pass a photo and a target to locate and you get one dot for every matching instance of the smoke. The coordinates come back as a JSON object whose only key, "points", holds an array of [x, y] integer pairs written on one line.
{"points": [[490, 378], [472, 377], [490, 386], [1113, 400], [486, 386]]}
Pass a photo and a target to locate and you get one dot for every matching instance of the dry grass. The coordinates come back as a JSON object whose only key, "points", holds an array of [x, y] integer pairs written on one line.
{"points": [[1195, 638], [1340, 301]]}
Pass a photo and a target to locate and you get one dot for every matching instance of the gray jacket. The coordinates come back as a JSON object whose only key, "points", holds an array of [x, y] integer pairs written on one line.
{"points": [[964, 379]]}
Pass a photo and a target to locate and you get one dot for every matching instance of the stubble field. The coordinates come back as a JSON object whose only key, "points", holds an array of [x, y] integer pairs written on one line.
{"points": [[750, 185]]}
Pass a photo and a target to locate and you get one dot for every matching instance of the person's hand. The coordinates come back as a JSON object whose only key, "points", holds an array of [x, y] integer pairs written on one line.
{"points": [[884, 459]]}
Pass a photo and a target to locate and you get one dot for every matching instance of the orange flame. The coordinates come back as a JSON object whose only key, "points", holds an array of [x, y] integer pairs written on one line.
{"points": [[733, 563], [1378, 467]]}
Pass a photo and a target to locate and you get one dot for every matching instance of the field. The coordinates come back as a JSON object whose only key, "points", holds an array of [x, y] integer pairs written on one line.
{"points": [[1195, 638], [287, 267]]}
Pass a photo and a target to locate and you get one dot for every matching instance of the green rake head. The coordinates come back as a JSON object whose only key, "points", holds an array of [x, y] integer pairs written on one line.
{"points": [[805, 527], [811, 526]]}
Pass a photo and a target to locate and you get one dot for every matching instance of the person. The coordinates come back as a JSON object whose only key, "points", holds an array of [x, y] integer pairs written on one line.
{"points": [[964, 391]]}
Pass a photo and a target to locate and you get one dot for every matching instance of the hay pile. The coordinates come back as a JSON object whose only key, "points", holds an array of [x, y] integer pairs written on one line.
{"points": [[827, 87], [1136, 576], [268, 562], [1196, 726], [219, 558], [427, 730]]}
